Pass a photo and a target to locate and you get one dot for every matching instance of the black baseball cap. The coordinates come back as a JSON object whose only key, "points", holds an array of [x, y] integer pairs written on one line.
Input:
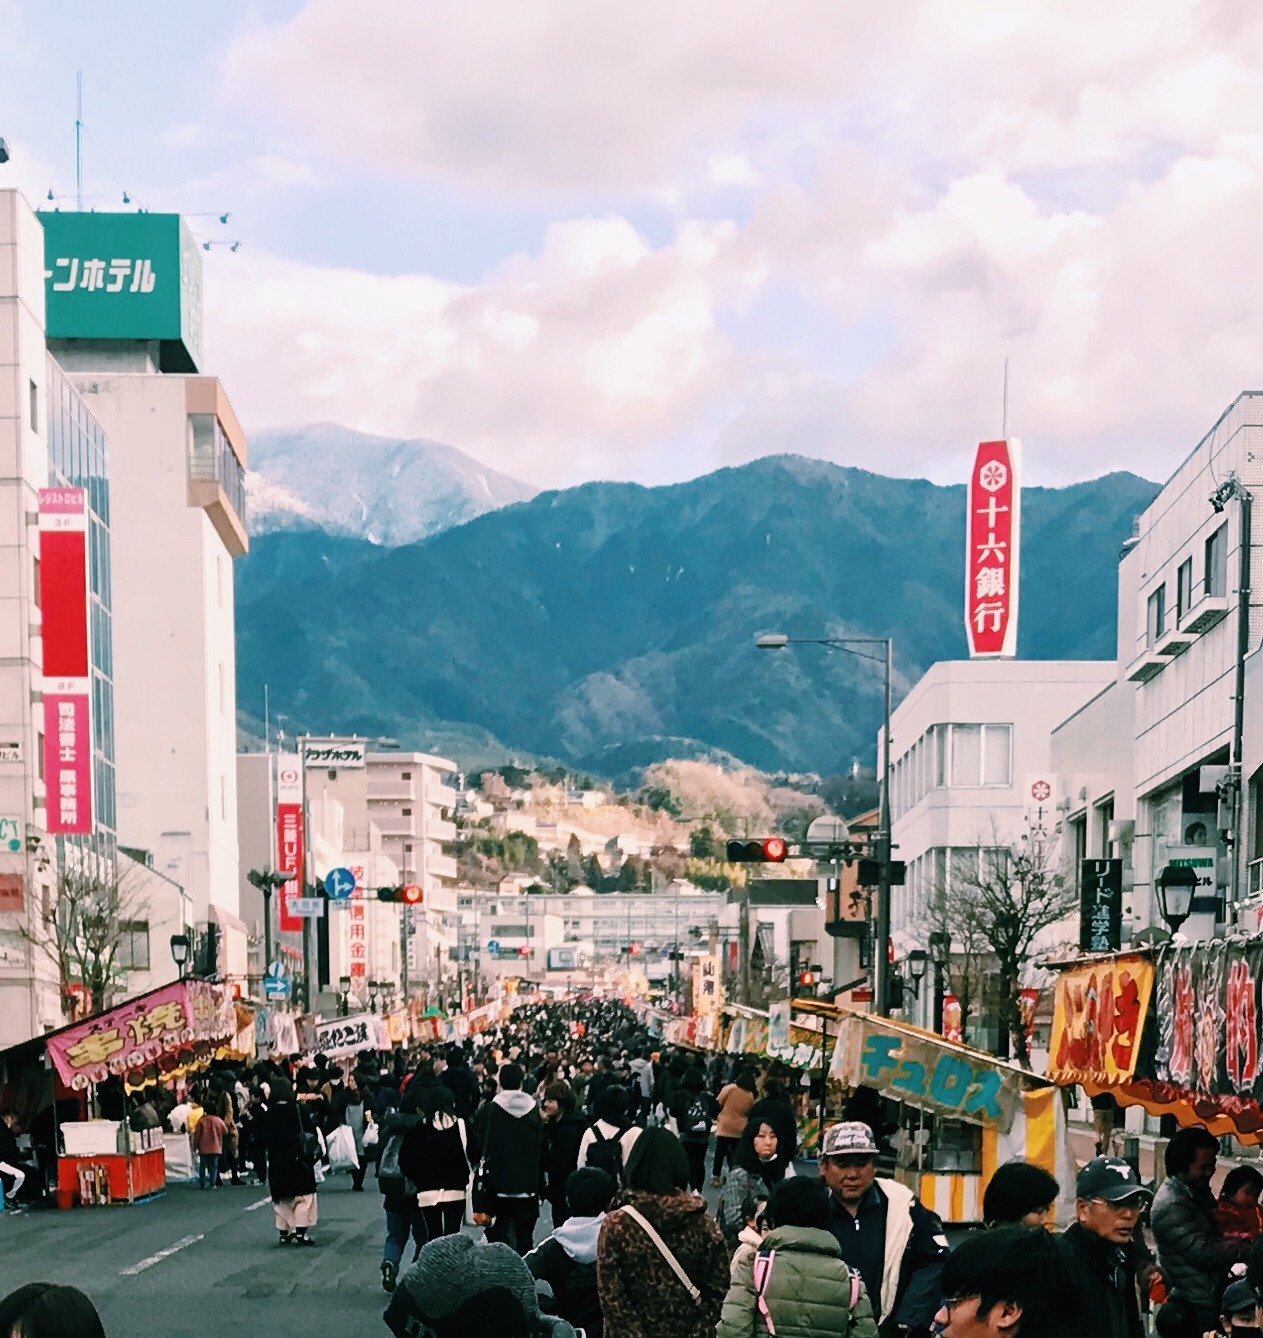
{"points": [[1109, 1178]]}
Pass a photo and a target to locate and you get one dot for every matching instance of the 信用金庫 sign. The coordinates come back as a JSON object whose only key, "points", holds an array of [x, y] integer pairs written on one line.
{"points": [[992, 542]]}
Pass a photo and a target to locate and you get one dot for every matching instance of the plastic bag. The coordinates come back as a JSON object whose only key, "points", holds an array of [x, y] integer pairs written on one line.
{"points": [[370, 1137], [341, 1147]]}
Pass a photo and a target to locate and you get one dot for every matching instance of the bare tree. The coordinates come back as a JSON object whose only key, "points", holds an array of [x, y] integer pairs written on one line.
{"points": [[968, 968], [80, 927], [1002, 902]]}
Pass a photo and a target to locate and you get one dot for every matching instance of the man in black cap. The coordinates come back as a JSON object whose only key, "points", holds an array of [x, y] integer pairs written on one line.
{"points": [[1096, 1249]]}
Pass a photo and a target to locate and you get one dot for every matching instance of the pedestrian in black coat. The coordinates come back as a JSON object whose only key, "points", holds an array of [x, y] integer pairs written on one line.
{"points": [[291, 1170], [459, 1079]]}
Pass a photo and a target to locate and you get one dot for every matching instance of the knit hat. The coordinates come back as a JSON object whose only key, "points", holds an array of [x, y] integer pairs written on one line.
{"points": [[460, 1288], [1017, 1188]]}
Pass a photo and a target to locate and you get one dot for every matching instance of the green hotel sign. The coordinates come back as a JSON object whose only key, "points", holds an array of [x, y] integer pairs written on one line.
{"points": [[125, 277]]}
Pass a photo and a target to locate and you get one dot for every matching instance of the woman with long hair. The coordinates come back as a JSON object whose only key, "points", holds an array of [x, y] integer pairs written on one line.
{"points": [[764, 1157], [291, 1166], [435, 1157], [642, 1295]]}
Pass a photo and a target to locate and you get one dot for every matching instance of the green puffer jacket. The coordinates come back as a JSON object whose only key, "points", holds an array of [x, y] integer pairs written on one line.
{"points": [[807, 1289]]}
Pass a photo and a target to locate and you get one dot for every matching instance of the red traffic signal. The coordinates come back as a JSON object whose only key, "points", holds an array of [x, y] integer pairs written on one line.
{"points": [[764, 850], [633, 949], [807, 979], [409, 894], [524, 952]]}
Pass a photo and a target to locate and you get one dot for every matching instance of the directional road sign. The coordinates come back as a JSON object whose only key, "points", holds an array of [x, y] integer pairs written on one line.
{"points": [[339, 884]]}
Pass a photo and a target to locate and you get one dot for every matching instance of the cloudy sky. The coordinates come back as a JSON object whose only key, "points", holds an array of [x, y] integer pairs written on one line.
{"points": [[586, 240]]}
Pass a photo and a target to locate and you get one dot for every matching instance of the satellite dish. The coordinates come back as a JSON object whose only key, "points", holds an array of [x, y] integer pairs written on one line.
{"points": [[828, 829]]}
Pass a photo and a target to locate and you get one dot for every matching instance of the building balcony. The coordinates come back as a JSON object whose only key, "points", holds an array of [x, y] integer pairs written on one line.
{"points": [[438, 794], [439, 829], [1208, 611], [1148, 664], [440, 866], [391, 789], [1174, 642]]}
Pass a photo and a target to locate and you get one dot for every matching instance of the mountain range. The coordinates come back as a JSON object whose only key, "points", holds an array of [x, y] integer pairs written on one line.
{"points": [[387, 490], [612, 625]]}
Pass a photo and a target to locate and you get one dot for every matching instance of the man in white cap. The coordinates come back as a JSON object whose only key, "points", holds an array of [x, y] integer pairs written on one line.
{"points": [[887, 1235]]}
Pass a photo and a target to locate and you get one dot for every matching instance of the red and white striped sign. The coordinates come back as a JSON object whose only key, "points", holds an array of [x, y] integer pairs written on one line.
{"points": [[992, 538]]}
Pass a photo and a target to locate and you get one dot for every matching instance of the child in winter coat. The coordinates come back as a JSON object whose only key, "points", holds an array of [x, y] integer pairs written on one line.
{"points": [[566, 1261], [792, 1281]]}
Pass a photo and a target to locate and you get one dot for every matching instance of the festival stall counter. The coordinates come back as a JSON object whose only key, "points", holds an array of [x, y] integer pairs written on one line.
{"points": [[158, 1037], [1174, 1031], [962, 1112]]}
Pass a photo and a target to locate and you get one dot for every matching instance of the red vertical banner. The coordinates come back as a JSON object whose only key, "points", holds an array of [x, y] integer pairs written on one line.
{"points": [[63, 593], [290, 850], [992, 540]]}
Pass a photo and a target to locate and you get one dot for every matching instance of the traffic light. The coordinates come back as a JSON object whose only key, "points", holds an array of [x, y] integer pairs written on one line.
{"points": [[408, 894], [868, 872], [763, 850]]}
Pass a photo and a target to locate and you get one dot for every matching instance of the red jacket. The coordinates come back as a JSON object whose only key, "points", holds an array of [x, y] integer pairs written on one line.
{"points": [[208, 1137]]}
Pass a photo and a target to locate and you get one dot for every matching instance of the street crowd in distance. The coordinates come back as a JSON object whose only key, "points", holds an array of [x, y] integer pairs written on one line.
{"points": [[570, 1106]]}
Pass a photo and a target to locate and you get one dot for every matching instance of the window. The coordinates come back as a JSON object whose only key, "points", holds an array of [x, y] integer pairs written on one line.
{"points": [[133, 945], [1217, 563], [942, 741], [1156, 622], [406, 775], [1183, 590], [407, 848], [1078, 848], [966, 754], [34, 407], [970, 755], [407, 812], [996, 748]]}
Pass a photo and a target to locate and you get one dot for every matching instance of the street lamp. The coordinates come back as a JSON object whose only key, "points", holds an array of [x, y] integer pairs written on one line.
{"points": [[1176, 885], [918, 960], [267, 881], [941, 956], [181, 945], [881, 838]]}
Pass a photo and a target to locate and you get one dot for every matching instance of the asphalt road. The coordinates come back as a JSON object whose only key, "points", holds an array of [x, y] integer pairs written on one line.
{"points": [[194, 1262]]}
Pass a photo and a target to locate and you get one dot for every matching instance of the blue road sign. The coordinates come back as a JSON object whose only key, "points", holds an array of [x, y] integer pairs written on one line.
{"points": [[339, 884], [276, 987], [493, 947]]}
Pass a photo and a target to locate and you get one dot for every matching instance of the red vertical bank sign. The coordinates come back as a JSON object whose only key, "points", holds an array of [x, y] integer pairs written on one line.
{"points": [[63, 594], [992, 538], [290, 850]]}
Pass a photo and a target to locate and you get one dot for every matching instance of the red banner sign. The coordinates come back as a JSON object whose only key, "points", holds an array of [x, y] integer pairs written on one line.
{"points": [[290, 848], [63, 591], [992, 530]]}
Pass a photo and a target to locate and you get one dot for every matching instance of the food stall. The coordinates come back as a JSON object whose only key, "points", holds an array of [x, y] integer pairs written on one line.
{"points": [[1175, 1031], [960, 1112], [76, 1085]]}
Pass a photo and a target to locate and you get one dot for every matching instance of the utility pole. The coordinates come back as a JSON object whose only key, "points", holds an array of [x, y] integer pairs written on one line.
{"points": [[881, 959], [743, 933]]}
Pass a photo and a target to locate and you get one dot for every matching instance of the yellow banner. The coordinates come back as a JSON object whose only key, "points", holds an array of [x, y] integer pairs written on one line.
{"points": [[1098, 1019]]}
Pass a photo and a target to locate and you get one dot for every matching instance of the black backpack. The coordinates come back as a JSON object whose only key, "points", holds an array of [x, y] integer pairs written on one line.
{"points": [[697, 1116], [606, 1154], [390, 1179]]}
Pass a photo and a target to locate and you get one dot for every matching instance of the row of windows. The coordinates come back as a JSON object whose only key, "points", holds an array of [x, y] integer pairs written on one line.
{"points": [[937, 872], [961, 756], [1214, 583]]}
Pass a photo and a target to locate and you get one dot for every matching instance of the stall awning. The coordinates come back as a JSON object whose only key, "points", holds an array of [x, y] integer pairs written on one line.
{"points": [[1179, 1036]]}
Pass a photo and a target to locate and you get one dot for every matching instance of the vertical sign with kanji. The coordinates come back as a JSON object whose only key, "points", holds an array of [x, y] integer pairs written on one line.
{"points": [[1101, 905], [290, 848], [63, 593], [992, 534]]}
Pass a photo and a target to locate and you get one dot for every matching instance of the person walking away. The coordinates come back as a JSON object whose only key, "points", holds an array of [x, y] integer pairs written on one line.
{"points": [[566, 1261], [459, 1079], [399, 1194], [1192, 1254], [1097, 1252], [564, 1129], [694, 1111], [461, 1289], [793, 1281], [1019, 1194], [355, 1117], [759, 1166], [435, 1157], [208, 1143], [291, 1166], [1237, 1212], [1006, 1283], [252, 1134], [608, 1142], [507, 1136], [638, 1274], [886, 1234], [735, 1101]]}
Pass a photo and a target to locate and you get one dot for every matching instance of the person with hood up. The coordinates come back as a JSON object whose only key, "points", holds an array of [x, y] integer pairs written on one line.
{"points": [[761, 1162], [461, 1289], [435, 1158], [566, 1261], [608, 1141], [459, 1079], [508, 1134], [657, 1228], [291, 1166], [792, 1281]]}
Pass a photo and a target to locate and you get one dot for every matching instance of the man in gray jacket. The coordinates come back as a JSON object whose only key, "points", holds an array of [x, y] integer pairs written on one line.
{"points": [[1192, 1255]]}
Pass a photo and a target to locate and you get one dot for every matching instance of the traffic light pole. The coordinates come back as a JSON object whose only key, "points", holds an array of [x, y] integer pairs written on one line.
{"points": [[881, 949]]}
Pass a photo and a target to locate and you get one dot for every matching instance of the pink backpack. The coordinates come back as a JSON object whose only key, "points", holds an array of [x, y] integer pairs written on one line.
{"points": [[763, 1262]]}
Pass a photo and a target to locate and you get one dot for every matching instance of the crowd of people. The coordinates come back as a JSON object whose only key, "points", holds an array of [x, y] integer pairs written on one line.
{"points": [[571, 1106]]}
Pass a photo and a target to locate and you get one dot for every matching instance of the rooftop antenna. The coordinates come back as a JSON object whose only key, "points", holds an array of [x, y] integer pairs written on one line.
{"points": [[1004, 423], [79, 140]]}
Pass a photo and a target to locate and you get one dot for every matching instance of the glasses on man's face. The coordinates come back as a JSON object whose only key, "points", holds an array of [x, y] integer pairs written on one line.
{"points": [[949, 1304]]}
